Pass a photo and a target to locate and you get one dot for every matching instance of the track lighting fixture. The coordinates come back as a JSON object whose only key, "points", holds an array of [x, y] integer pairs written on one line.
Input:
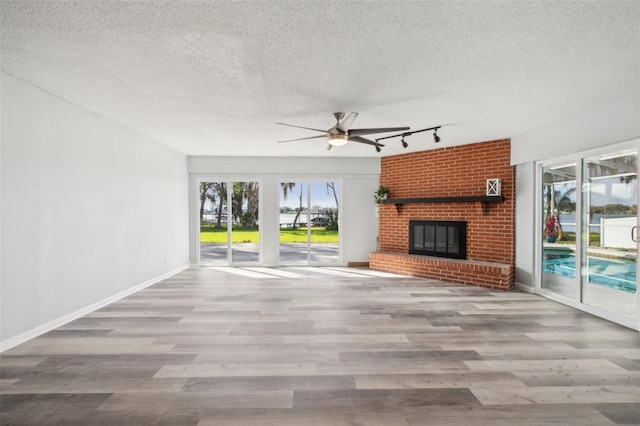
{"points": [[378, 149], [436, 138]]}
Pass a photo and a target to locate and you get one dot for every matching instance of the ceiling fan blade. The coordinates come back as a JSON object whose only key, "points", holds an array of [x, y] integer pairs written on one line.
{"points": [[364, 140], [303, 139], [347, 122], [356, 132], [300, 127]]}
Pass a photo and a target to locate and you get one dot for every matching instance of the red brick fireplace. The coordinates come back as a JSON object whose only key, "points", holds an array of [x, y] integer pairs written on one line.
{"points": [[449, 184]]}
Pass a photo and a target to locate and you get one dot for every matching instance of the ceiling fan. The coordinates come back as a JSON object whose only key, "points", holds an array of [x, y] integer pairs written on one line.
{"points": [[342, 133]]}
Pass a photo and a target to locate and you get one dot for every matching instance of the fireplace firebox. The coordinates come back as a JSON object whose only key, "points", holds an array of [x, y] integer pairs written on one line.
{"points": [[438, 238]]}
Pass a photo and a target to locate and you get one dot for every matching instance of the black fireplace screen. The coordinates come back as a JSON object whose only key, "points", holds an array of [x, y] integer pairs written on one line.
{"points": [[438, 238]]}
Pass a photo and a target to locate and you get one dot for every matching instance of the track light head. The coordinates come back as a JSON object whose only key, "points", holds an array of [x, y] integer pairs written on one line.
{"points": [[378, 149], [404, 143], [436, 138]]}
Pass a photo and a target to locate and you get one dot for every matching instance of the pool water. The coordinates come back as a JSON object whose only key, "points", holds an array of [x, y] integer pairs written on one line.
{"points": [[619, 274]]}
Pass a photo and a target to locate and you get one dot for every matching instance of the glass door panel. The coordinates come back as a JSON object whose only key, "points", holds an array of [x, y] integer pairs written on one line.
{"points": [[293, 219], [324, 243], [610, 211], [559, 230], [245, 229], [309, 223], [213, 223]]}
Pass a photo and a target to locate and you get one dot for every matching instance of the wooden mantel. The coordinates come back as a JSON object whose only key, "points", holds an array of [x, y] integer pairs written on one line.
{"points": [[463, 199], [466, 199]]}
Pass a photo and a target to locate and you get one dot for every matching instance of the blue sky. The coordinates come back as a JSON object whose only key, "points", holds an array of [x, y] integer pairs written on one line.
{"points": [[319, 195]]}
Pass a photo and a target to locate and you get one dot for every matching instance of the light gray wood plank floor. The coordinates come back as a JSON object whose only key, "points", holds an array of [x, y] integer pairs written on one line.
{"points": [[304, 346]]}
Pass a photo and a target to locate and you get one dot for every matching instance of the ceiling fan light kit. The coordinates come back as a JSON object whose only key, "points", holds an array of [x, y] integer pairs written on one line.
{"points": [[338, 140]]}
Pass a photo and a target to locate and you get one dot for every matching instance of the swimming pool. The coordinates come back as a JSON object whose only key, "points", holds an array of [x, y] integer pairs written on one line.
{"points": [[619, 274]]}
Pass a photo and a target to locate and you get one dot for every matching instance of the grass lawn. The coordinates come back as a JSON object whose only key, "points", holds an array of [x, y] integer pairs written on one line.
{"points": [[211, 234], [570, 238]]}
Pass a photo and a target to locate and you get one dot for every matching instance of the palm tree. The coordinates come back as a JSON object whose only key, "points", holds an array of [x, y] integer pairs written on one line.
{"points": [[563, 203], [332, 186], [295, 219], [556, 202], [286, 187]]}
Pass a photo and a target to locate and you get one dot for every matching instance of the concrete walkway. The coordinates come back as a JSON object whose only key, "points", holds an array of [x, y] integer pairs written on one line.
{"points": [[292, 253]]}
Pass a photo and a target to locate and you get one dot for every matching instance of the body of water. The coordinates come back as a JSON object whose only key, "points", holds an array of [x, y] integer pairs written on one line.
{"points": [[568, 222], [285, 218], [619, 274]]}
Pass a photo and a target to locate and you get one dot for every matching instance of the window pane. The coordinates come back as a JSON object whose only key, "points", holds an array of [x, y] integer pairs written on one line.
{"points": [[559, 229], [610, 220]]}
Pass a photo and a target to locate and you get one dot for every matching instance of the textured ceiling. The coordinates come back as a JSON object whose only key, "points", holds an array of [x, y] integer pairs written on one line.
{"points": [[213, 78]]}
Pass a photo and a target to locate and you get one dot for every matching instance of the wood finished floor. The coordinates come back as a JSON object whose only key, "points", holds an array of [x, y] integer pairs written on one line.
{"points": [[298, 346]]}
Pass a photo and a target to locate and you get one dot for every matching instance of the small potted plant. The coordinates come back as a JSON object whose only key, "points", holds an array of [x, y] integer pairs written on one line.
{"points": [[381, 194], [551, 230]]}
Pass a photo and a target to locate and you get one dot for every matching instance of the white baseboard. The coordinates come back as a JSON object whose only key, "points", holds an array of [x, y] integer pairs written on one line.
{"points": [[523, 287], [48, 326]]}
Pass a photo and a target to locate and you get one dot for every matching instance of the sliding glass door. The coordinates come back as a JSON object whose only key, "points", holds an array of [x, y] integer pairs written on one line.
{"points": [[213, 224], [324, 240], [293, 223], [610, 217], [589, 233], [229, 235], [559, 229], [309, 223]]}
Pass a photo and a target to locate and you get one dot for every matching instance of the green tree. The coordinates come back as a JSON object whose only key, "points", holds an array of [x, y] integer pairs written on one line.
{"points": [[207, 192], [331, 219], [251, 194], [221, 191], [245, 193], [237, 199]]}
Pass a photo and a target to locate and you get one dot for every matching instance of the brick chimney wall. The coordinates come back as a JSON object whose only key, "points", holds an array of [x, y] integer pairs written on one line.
{"points": [[452, 172]]}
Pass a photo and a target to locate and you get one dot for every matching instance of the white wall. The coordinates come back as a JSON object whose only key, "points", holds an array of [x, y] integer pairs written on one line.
{"points": [[359, 181], [611, 122], [615, 121], [525, 218], [90, 211]]}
